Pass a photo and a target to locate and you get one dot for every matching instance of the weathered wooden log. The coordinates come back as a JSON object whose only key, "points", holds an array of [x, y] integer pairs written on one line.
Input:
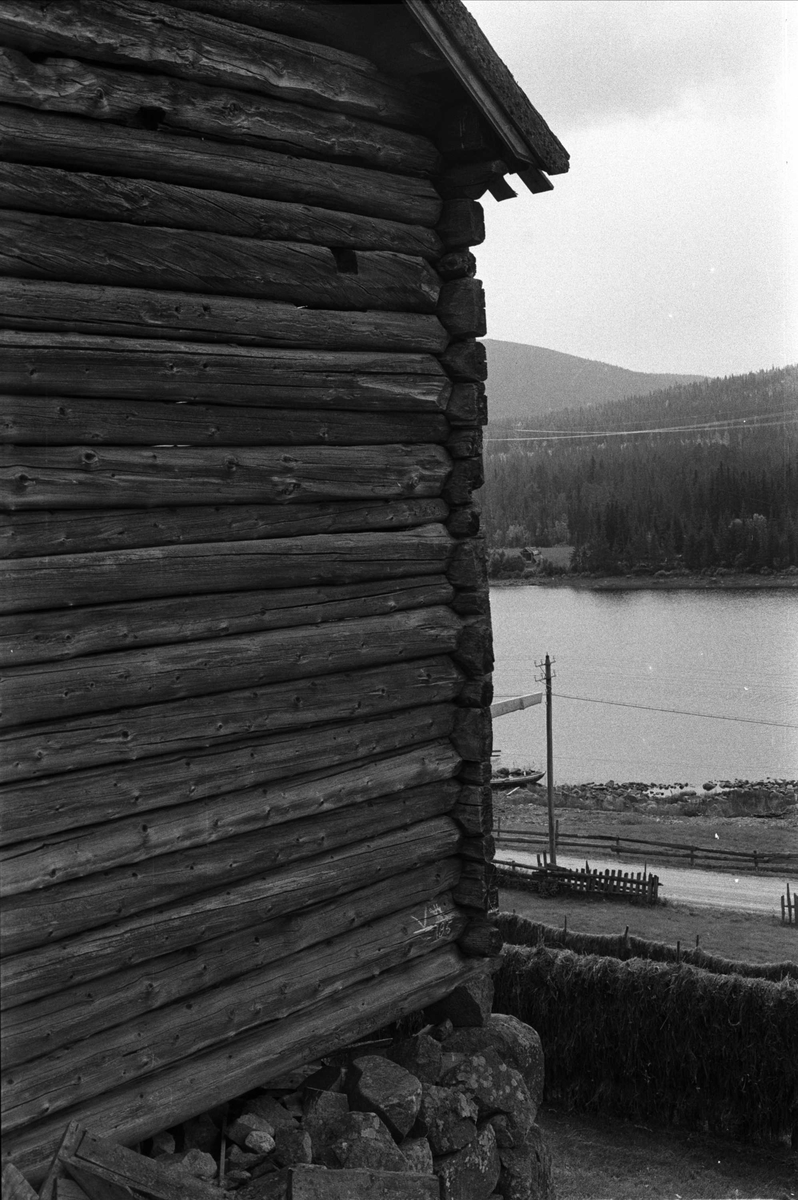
{"points": [[127, 734], [111, 253], [34, 584], [52, 914], [455, 264], [141, 313], [15, 1185], [474, 652], [44, 1025], [475, 772], [473, 810], [108, 94], [461, 224], [464, 522], [69, 421], [82, 531], [481, 938], [44, 863], [470, 180], [461, 443], [114, 792], [200, 48], [463, 134], [153, 674], [76, 144], [59, 634], [468, 567], [96, 1169], [227, 911], [480, 848], [472, 736], [466, 361], [133, 369], [477, 692], [146, 202], [467, 405], [467, 476], [137, 477], [474, 887], [134, 1112], [461, 308], [167, 1035]]}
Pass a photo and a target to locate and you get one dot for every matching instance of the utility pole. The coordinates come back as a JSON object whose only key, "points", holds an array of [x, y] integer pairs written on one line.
{"points": [[547, 676]]}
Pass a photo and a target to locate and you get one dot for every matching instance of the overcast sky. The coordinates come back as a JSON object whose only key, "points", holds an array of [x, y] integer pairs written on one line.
{"points": [[672, 244]]}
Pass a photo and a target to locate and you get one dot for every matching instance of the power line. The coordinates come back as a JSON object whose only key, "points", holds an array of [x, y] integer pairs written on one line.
{"points": [[681, 712], [562, 436], [750, 421]]}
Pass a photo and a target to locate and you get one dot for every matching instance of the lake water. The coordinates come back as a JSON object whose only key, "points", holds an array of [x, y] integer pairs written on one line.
{"points": [[720, 654]]}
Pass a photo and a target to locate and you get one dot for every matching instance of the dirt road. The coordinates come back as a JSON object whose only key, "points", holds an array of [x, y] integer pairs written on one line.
{"points": [[744, 893]]}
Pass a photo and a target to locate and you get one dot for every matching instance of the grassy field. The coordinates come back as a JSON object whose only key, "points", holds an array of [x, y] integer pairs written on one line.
{"points": [[595, 1158]]}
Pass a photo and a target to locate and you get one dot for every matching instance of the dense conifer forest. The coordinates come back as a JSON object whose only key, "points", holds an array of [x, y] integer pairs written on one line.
{"points": [[700, 476]]}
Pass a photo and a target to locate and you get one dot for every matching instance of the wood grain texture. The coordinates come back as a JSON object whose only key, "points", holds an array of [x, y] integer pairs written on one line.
{"points": [[61, 634], [65, 421], [192, 46], [75, 144], [45, 863], [104, 93], [161, 1038], [45, 1025], [139, 369], [42, 807], [180, 727], [112, 253], [154, 674], [53, 914], [225, 911], [35, 584], [131, 1113], [138, 477], [27, 304], [82, 531]]}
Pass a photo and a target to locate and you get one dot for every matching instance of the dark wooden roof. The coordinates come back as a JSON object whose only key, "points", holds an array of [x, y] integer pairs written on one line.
{"points": [[527, 138]]}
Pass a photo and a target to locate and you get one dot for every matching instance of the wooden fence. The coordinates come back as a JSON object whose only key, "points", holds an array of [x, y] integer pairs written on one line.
{"points": [[675, 852], [789, 908], [640, 888]]}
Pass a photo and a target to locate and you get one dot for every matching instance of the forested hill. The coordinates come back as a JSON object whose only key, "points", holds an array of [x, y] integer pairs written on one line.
{"points": [[692, 477], [528, 380]]}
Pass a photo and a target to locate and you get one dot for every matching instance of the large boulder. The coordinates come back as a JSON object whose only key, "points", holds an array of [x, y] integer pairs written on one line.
{"points": [[518, 1044], [377, 1085], [473, 1172], [420, 1055], [469, 1004], [494, 1086], [448, 1118], [364, 1141]]}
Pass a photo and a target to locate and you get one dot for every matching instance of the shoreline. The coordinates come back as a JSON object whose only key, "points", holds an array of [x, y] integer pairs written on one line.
{"points": [[639, 583]]}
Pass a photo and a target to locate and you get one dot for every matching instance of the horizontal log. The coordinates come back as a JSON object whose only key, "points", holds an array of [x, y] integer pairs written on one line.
{"points": [[61, 634], [45, 1025], [467, 405], [161, 1038], [128, 734], [132, 369], [39, 918], [461, 308], [84, 532], [481, 938], [65, 421], [476, 692], [461, 224], [111, 253], [472, 179], [40, 808], [466, 361], [75, 144], [466, 477], [475, 772], [154, 674], [27, 304], [464, 521], [475, 647], [44, 477], [473, 810], [461, 443], [473, 734], [134, 1112], [192, 46], [107, 94], [44, 863], [34, 584], [468, 567], [454, 264], [475, 885]]}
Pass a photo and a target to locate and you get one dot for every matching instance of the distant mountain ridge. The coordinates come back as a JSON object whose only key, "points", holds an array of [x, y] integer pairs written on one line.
{"points": [[524, 380]]}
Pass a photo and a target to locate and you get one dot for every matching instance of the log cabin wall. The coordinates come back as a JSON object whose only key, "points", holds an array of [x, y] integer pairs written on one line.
{"points": [[246, 738]]}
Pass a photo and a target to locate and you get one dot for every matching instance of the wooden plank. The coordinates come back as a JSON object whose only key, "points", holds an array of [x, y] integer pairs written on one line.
{"points": [[44, 807], [222, 912], [161, 1038], [82, 531], [132, 369], [55, 1174], [34, 919], [75, 144], [44, 477], [47, 1024], [116, 254], [67, 421], [15, 1185], [132, 1113], [59, 634], [188, 45], [152, 675], [143, 313], [33, 584], [59, 858], [310, 1182], [104, 93], [108, 1171]]}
